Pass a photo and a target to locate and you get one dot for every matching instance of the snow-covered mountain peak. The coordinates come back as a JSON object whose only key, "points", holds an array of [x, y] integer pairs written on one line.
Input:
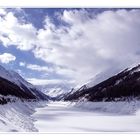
{"points": [[55, 90], [134, 69], [5, 73], [13, 76], [100, 77], [18, 79]]}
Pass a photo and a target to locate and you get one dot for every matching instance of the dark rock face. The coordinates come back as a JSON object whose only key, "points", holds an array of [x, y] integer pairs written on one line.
{"points": [[123, 86]]}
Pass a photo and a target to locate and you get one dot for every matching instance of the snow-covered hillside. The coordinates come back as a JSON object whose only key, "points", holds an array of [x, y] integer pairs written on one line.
{"points": [[100, 77], [14, 77], [12, 84], [122, 86], [16, 116], [18, 100]]}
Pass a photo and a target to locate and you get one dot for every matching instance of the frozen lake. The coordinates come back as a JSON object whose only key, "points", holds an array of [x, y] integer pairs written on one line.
{"points": [[58, 117]]}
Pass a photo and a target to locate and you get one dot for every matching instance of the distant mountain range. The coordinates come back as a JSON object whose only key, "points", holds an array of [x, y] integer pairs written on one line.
{"points": [[55, 90], [122, 86], [13, 86]]}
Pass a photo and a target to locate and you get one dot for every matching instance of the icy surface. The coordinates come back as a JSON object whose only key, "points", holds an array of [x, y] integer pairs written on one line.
{"points": [[66, 117]]}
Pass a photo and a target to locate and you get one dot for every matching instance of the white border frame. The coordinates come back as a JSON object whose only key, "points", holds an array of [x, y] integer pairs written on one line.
{"points": [[71, 3]]}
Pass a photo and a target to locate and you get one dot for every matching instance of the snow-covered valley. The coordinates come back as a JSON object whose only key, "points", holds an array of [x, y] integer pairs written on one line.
{"points": [[110, 106], [65, 117], [70, 117]]}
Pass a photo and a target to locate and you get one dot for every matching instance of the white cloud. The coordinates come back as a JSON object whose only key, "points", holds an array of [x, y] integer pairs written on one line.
{"points": [[75, 16], [2, 12], [6, 58], [92, 43], [36, 81], [51, 69], [39, 68], [22, 64], [83, 47], [15, 32]]}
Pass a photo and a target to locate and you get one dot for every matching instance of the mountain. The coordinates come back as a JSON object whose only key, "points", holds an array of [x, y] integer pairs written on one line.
{"points": [[122, 86], [54, 90], [13, 86], [101, 77]]}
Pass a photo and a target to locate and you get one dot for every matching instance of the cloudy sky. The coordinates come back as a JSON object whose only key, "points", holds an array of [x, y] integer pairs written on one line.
{"points": [[68, 45]]}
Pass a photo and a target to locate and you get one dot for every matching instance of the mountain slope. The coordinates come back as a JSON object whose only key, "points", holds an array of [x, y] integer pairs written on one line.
{"points": [[123, 86], [12, 84]]}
